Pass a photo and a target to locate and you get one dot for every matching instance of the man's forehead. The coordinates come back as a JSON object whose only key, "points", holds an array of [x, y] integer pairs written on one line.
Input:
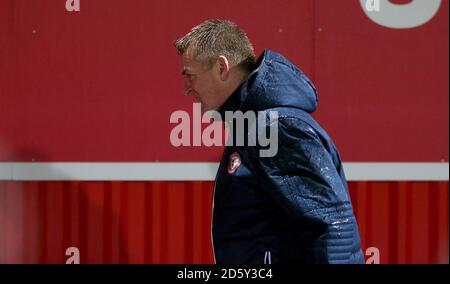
{"points": [[189, 63], [188, 58]]}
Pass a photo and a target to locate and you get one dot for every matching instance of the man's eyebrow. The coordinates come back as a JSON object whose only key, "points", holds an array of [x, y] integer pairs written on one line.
{"points": [[185, 71]]}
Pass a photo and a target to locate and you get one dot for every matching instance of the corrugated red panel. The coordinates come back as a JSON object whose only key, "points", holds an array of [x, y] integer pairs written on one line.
{"points": [[406, 221], [170, 222]]}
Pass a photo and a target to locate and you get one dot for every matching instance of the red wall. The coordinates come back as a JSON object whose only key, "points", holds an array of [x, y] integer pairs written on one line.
{"points": [[169, 222], [100, 84]]}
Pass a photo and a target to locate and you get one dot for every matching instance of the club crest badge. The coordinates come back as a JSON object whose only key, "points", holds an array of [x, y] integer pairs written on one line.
{"points": [[235, 162]]}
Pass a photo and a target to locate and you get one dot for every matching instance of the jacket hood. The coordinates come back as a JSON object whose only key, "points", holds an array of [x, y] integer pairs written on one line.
{"points": [[276, 82]]}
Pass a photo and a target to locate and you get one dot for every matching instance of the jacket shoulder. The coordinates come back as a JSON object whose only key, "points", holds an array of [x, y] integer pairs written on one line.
{"points": [[292, 119]]}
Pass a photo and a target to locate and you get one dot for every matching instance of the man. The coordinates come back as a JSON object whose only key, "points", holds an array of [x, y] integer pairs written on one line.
{"points": [[290, 208]]}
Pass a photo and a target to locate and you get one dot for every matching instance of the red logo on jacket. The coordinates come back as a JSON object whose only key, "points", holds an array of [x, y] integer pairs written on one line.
{"points": [[235, 162]]}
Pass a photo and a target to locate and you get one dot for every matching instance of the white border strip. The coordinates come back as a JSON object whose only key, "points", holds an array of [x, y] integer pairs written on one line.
{"points": [[111, 171], [5, 171], [396, 171], [201, 171]]}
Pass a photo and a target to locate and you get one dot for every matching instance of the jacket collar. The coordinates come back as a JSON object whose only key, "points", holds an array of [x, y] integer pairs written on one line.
{"points": [[235, 101]]}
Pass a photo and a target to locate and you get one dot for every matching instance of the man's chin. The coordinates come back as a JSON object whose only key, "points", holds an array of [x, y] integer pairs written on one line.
{"points": [[205, 109]]}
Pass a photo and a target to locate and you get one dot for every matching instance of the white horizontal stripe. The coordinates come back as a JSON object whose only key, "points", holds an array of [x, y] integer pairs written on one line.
{"points": [[5, 171], [113, 171], [202, 171], [396, 171]]}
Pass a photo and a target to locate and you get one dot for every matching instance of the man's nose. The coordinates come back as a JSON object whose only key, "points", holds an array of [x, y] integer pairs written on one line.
{"points": [[187, 88]]}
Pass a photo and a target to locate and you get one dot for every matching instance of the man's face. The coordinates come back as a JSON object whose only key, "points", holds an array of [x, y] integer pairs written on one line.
{"points": [[202, 82]]}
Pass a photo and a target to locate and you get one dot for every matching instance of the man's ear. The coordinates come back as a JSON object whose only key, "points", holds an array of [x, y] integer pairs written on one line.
{"points": [[224, 67]]}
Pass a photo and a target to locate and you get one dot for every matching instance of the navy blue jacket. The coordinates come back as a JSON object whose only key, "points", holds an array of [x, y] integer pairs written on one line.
{"points": [[291, 208]]}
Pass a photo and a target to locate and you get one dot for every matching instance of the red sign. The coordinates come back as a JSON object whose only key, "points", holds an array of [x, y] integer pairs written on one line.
{"points": [[100, 84]]}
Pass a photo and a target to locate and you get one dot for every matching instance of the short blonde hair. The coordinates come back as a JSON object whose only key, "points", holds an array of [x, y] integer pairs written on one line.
{"points": [[214, 38]]}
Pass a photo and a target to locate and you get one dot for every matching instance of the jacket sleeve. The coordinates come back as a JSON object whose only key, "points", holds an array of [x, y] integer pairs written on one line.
{"points": [[302, 178]]}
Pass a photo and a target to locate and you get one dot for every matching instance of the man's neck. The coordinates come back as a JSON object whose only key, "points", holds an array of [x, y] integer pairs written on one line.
{"points": [[238, 78]]}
